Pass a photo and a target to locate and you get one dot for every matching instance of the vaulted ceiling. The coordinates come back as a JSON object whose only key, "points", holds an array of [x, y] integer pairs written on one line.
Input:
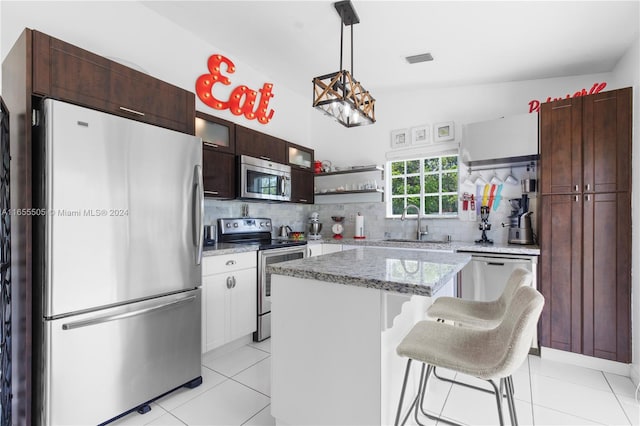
{"points": [[472, 42]]}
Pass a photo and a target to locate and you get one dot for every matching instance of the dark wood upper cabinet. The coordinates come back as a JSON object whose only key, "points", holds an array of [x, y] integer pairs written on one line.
{"points": [[216, 133], [218, 155], [607, 141], [219, 173], [69, 73], [585, 262], [561, 146], [300, 159], [256, 144], [299, 156], [585, 144], [302, 182]]}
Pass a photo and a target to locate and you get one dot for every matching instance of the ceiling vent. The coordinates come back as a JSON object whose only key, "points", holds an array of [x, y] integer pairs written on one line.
{"points": [[423, 57]]}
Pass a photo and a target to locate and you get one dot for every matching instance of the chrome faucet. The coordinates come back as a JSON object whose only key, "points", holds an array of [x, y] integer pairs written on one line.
{"points": [[419, 232]]}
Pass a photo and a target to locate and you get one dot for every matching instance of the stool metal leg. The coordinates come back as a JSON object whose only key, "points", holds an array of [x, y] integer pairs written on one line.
{"points": [[510, 400], [498, 396], [455, 382], [430, 369], [506, 383], [404, 387]]}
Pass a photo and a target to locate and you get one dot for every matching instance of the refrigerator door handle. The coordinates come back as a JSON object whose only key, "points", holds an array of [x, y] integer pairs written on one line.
{"points": [[107, 318], [198, 213]]}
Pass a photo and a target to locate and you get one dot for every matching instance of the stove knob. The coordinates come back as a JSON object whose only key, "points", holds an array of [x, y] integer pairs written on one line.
{"points": [[268, 223], [228, 225], [235, 225], [261, 224]]}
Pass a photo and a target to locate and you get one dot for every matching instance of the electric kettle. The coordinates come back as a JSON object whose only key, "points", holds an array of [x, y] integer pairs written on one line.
{"points": [[284, 231]]}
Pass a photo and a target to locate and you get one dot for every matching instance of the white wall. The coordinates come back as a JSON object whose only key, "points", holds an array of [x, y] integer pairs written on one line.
{"points": [[408, 108], [627, 73], [136, 36]]}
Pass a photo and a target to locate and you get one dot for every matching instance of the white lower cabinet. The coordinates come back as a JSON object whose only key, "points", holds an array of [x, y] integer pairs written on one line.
{"points": [[229, 308], [317, 249], [314, 249]]}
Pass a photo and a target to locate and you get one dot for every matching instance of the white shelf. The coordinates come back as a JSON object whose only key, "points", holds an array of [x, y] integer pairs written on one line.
{"points": [[332, 187], [350, 171], [359, 191]]}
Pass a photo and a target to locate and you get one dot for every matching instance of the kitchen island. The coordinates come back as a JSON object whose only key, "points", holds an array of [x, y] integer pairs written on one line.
{"points": [[336, 322]]}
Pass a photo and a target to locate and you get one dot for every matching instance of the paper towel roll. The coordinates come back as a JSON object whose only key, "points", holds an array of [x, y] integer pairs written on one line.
{"points": [[359, 226]]}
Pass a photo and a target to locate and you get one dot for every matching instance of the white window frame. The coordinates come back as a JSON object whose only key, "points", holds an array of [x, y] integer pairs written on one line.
{"points": [[389, 196]]}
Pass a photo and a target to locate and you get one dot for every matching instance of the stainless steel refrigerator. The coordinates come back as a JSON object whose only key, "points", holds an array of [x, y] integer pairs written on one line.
{"points": [[117, 253]]}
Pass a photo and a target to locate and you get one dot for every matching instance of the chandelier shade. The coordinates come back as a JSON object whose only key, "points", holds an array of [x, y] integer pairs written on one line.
{"points": [[338, 94]]}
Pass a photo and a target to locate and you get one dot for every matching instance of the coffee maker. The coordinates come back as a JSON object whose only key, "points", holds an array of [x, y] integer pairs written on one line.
{"points": [[520, 231]]}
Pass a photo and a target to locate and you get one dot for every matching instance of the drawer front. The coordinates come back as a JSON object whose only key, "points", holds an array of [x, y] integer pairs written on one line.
{"points": [[229, 262]]}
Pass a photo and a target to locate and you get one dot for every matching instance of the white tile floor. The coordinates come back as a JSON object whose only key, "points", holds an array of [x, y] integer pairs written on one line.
{"points": [[236, 391]]}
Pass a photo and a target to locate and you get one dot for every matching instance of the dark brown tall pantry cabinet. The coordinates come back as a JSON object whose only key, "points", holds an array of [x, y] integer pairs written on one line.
{"points": [[585, 236]]}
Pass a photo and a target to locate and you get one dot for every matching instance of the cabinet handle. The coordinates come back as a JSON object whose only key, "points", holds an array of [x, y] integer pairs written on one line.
{"points": [[265, 158], [211, 192], [303, 200], [212, 145], [587, 197], [132, 111], [230, 280], [575, 188], [233, 279], [230, 262], [577, 198], [588, 187]]}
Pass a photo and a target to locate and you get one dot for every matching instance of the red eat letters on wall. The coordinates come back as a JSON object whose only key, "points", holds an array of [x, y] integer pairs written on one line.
{"points": [[242, 100]]}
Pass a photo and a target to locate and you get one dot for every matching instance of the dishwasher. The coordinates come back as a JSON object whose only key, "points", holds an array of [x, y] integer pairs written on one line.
{"points": [[485, 277]]}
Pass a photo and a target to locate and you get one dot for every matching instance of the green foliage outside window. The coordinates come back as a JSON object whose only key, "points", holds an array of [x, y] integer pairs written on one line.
{"points": [[429, 183]]}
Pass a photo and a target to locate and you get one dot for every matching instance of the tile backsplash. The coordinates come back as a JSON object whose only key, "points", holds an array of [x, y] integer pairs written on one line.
{"points": [[376, 225]]}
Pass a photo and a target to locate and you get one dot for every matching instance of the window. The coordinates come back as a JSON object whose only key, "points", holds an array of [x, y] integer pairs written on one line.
{"points": [[429, 183]]}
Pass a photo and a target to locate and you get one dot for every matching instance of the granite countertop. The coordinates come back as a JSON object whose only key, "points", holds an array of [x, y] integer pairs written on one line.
{"points": [[453, 246], [411, 272], [529, 250], [226, 248]]}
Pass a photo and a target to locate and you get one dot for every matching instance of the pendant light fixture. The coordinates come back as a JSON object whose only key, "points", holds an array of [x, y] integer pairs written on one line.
{"points": [[338, 94]]}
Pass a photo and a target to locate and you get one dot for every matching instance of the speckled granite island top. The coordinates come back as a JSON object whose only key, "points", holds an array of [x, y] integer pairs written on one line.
{"points": [[402, 271]]}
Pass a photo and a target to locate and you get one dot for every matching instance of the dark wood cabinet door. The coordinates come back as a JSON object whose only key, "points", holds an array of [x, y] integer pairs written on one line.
{"points": [[606, 276], [561, 272], [607, 141], [259, 145], [561, 146], [69, 73], [219, 173], [302, 182]]}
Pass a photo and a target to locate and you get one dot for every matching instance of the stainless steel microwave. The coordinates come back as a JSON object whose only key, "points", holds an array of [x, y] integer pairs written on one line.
{"points": [[264, 180]]}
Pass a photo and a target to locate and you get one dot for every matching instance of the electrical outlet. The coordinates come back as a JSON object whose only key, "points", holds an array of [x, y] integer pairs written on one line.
{"points": [[351, 217]]}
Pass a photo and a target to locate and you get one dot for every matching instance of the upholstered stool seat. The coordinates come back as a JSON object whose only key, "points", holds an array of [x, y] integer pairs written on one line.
{"points": [[489, 354], [480, 313]]}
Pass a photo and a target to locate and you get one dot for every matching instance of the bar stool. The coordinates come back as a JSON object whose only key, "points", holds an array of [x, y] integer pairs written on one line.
{"points": [[488, 354], [480, 313]]}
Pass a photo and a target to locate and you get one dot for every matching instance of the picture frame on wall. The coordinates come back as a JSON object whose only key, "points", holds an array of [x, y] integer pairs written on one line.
{"points": [[443, 131], [421, 134], [399, 138]]}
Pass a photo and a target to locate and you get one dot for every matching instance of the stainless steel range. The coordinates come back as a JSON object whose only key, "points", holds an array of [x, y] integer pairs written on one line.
{"points": [[258, 230]]}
